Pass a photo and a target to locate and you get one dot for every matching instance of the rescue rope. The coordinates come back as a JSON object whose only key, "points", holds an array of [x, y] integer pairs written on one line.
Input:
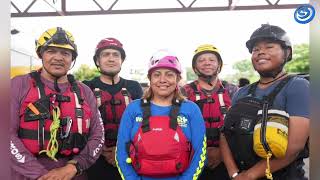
{"points": [[268, 170], [53, 146]]}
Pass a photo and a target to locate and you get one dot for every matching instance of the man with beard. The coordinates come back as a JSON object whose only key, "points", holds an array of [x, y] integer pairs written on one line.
{"points": [[113, 94], [213, 98]]}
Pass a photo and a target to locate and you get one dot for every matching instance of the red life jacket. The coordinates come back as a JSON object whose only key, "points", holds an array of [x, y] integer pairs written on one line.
{"points": [[160, 148], [111, 108], [36, 117], [213, 108]]}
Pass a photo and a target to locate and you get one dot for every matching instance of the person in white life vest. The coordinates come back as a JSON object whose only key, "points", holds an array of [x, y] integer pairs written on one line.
{"points": [[162, 135], [56, 130]]}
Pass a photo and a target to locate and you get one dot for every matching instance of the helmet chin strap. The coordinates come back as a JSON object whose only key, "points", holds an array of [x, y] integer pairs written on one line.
{"points": [[273, 74], [74, 62], [56, 86], [56, 78], [109, 74], [206, 78]]}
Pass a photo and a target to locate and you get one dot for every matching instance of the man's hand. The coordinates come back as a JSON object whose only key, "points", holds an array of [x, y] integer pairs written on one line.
{"points": [[214, 157], [109, 154], [66, 172]]}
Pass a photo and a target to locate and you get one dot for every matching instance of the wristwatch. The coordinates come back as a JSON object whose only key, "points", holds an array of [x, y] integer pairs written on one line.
{"points": [[77, 165]]}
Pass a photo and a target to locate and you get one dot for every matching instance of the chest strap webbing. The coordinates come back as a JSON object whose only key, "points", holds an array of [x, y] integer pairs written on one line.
{"points": [[223, 107], [40, 86], [78, 102], [125, 93], [267, 102], [220, 92], [145, 105], [60, 98], [270, 97]]}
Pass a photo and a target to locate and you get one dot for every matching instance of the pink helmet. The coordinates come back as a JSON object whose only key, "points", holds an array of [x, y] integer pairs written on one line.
{"points": [[163, 59]]}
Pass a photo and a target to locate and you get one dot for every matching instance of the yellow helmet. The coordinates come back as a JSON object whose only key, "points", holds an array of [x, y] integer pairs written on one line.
{"points": [[56, 37], [270, 138], [206, 48], [275, 135]]}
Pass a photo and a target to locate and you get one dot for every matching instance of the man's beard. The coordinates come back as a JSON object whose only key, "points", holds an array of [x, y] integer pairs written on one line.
{"points": [[110, 73]]}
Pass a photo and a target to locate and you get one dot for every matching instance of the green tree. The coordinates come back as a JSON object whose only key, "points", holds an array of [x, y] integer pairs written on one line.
{"points": [[243, 69], [190, 74], [300, 60], [85, 73], [298, 64]]}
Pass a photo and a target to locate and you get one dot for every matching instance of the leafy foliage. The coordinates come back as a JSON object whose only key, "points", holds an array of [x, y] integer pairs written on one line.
{"points": [[85, 73], [190, 74], [243, 69], [300, 62]]}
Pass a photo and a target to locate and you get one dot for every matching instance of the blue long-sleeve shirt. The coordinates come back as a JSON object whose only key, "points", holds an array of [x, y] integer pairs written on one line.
{"points": [[193, 128]]}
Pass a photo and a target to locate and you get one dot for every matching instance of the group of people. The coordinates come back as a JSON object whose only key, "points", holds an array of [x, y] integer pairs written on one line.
{"points": [[108, 128]]}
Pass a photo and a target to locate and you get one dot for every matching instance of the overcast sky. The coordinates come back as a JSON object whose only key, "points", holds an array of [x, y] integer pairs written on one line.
{"points": [[143, 34]]}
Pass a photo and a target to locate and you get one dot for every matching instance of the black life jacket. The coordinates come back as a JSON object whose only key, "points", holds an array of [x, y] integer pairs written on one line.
{"points": [[240, 121]]}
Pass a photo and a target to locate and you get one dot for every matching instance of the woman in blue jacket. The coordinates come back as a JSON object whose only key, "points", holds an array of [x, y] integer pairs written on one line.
{"points": [[162, 135]]}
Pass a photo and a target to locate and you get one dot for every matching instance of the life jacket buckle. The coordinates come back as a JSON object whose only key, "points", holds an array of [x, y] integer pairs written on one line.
{"points": [[124, 92], [212, 119], [97, 94], [79, 112], [62, 98], [223, 109], [115, 102], [210, 100], [178, 166]]}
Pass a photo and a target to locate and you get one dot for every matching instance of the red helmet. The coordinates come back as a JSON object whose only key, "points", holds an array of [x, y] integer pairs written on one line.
{"points": [[109, 43]]}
